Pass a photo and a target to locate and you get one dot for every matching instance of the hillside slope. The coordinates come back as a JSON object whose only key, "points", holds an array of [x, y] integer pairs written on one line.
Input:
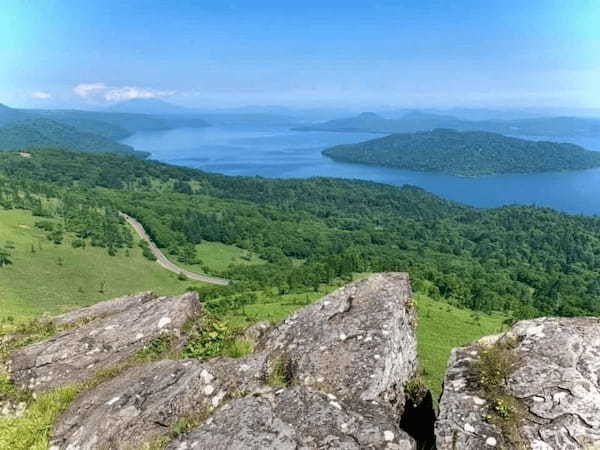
{"points": [[44, 276], [469, 153], [46, 133], [525, 261]]}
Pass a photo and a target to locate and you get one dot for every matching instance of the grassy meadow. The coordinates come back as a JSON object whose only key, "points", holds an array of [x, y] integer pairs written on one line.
{"points": [[45, 277], [217, 257], [440, 328]]}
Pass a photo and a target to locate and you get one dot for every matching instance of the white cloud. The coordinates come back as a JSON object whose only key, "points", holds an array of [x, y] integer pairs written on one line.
{"points": [[131, 92], [41, 95], [89, 89], [100, 91]]}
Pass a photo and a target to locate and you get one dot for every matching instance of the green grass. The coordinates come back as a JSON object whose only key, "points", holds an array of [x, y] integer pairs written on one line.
{"points": [[274, 307], [441, 327], [217, 257], [31, 431], [54, 278]]}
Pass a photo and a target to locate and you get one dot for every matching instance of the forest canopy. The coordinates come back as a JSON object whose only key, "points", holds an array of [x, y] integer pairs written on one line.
{"points": [[525, 261]]}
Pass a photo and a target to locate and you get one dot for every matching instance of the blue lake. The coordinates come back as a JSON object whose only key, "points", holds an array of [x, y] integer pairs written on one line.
{"points": [[281, 153]]}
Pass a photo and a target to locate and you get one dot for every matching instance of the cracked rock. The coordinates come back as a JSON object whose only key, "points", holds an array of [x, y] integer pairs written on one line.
{"points": [[557, 380], [103, 309], [78, 353], [292, 419], [145, 401], [357, 342]]}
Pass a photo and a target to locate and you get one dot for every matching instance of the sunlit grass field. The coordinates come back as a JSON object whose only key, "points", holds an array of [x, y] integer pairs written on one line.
{"points": [[218, 257], [440, 328], [45, 277]]}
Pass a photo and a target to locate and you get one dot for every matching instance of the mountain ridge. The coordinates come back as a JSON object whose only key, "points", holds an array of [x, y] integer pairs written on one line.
{"points": [[418, 121]]}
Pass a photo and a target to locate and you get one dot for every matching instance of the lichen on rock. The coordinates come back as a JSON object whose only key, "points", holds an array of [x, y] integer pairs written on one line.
{"points": [[555, 387]]}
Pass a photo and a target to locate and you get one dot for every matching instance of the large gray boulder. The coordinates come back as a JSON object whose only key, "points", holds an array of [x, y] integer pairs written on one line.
{"points": [[145, 401], [78, 353], [293, 419], [103, 309], [357, 343], [556, 381], [354, 350]]}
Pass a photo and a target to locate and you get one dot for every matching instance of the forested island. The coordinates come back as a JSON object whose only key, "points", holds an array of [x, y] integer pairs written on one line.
{"points": [[469, 153]]}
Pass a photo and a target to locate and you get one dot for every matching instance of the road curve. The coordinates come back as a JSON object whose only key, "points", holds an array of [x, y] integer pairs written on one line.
{"points": [[163, 260]]}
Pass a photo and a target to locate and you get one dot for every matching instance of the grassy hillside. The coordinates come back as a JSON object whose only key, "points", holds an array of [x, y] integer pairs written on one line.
{"points": [[216, 257], [45, 277], [442, 327], [471, 153]]}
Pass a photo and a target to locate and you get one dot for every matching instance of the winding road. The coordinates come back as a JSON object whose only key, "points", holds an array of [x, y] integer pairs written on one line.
{"points": [[164, 261]]}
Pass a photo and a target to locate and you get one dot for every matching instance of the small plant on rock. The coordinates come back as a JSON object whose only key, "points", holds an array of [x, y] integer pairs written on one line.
{"points": [[494, 367], [237, 348], [282, 372], [207, 338]]}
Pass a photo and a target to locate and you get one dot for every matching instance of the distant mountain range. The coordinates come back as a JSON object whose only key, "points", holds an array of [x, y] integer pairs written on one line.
{"points": [[152, 106], [106, 127], [469, 153], [82, 130], [419, 121]]}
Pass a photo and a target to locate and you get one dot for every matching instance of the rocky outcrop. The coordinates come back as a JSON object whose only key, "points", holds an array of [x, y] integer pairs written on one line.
{"points": [[146, 401], [103, 309], [255, 332], [77, 354], [295, 418], [555, 385], [357, 343], [343, 362]]}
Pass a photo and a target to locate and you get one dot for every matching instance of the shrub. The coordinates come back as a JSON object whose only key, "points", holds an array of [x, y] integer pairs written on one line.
{"points": [[207, 338]]}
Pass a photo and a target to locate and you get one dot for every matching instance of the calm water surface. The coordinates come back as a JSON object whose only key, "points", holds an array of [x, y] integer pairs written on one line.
{"points": [[281, 153]]}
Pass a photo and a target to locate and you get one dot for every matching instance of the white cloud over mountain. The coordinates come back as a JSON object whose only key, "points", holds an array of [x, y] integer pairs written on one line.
{"points": [[100, 91], [39, 95]]}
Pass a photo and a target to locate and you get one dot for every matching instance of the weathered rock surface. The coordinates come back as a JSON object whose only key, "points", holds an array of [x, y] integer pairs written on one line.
{"points": [[255, 332], [145, 401], [357, 343], [77, 354], [103, 309], [293, 419], [557, 380], [356, 346]]}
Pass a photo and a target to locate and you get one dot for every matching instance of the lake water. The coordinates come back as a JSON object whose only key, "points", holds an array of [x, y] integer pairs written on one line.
{"points": [[281, 153]]}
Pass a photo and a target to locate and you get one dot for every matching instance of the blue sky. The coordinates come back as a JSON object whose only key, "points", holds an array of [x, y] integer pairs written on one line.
{"points": [[498, 53]]}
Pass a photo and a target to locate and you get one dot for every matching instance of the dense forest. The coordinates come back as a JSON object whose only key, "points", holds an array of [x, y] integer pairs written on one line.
{"points": [[421, 121], [526, 261], [41, 132], [469, 153]]}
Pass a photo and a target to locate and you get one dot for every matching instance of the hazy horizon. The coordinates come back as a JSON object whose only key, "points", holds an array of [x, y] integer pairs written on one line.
{"points": [[349, 55]]}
